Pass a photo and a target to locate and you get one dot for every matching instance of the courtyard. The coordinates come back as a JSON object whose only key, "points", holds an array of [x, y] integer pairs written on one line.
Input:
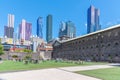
{"points": [[10, 66], [58, 70]]}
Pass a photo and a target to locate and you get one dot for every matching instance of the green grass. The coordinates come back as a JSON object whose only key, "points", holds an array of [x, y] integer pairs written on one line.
{"points": [[104, 74], [16, 66]]}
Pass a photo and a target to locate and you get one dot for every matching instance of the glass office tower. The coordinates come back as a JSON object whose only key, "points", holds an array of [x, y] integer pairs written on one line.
{"points": [[49, 28], [39, 27], [93, 19]]}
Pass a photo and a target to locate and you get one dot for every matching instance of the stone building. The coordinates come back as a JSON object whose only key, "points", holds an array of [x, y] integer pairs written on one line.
{"points": [[103, 45]]}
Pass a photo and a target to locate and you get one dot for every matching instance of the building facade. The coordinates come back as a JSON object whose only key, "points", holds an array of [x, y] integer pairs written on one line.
{"points": [[10, 20], [93, 23], [8, 31], [63, 29], [35, 42], [39, 27], [25, 30], [71, 29], [103, 45], [49, 28], [67, 29]]}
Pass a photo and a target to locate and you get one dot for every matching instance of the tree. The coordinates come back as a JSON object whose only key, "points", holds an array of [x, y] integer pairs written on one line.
{"points": [[1, 50]]}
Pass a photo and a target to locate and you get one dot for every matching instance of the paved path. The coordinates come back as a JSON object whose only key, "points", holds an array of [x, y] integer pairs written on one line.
{"points": [[45, 74], [1, 62], [51, 74], [82, 68]]}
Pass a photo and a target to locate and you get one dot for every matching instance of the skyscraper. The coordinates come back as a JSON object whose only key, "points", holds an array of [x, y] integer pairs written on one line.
{"points": [[63, 29], [49, 28], [71, 29], [93, 19], [10, 20], [67, 29], [25, 30], [9, 29], [39, 27]]}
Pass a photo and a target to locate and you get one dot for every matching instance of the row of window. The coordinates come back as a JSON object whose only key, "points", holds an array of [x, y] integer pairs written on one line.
{"points": [[93, 38], [90, 47]]}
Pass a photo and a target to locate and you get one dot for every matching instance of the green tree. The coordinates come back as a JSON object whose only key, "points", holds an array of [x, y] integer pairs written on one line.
{"points": [[1, 50]]}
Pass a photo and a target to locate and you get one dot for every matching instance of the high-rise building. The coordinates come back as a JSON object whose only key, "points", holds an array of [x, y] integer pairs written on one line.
{"points": [[93, 19], [10, 20], [63, 29], [71, 29], [49, 28], [28, 31], [67, 29], [25, 30], [9, 29], [39, 27]]}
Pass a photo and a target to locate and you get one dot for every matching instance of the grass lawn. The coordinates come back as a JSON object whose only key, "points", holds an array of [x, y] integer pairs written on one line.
{"points": [[15, 66], [104, 74]]}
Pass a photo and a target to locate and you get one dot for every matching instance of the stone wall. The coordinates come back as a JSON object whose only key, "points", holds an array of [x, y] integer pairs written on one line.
{"points": [[21, 55], [103, 45]]}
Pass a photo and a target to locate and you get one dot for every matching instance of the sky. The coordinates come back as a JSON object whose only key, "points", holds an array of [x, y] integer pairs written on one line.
{"points": [[61, 10]]}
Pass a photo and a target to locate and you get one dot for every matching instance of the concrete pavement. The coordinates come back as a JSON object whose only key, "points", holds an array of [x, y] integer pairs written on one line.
{"points": [[83, 68], [52, 74], [44, 74]]}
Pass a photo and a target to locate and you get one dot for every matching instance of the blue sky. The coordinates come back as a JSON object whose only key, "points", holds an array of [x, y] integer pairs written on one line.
{"points": [[62, 10]]}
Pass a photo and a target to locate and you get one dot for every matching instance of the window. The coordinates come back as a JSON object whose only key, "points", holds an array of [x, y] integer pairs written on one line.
{"points": [[116, 55], [96, 46], [83, 40], [101, 41], [108, 44], [83, 48], [116, 43], [76, 42], [91, 47], [102, 45]]}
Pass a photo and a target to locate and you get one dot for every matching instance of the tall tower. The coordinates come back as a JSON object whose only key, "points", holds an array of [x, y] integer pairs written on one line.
{"points": [[71, 29], [63, 29], [93, 19], [97, 19], [10, 20], [67, 29], [25, 30], [49, 28], [9, 29], [39, 27]]}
